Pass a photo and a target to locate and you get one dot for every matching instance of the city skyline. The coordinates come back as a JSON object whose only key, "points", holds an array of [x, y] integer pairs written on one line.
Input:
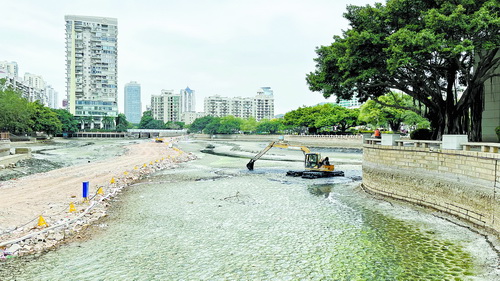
{"points": [[225, 48]]}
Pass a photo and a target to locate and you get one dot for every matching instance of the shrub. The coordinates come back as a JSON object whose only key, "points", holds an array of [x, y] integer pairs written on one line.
{"points": [[497, 131], [421, 134]]}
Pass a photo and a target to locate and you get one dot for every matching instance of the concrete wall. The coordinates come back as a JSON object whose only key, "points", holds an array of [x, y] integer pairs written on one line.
{"points": [[462, 183]]}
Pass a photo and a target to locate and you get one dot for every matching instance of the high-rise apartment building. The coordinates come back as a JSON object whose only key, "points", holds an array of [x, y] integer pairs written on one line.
{"points": [[133, 106], [53, 97], [32, 87], [188, 102], [241, 107], [166, 107], [10, 68], [91, 66], [260, 107], [33, 80], [263, 104], [217, 106]]}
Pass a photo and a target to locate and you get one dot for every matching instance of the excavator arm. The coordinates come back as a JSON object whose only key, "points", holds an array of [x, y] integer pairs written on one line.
{"points": [[271, 145]]}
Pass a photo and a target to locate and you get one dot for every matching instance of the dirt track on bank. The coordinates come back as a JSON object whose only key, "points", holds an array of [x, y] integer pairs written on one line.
{"points": [[49, 194]]}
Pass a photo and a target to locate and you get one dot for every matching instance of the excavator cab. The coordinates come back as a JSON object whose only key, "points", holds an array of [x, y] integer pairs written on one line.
{"points": [[312, 160]]}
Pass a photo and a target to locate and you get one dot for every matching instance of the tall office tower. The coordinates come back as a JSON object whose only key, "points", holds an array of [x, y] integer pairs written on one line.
{"points": [[91, 67], [133, 105], [166, 107], [188, 100], [10, 68], [263, 104]]}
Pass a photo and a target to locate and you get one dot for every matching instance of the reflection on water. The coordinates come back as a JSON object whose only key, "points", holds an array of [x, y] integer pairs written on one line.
{"points": [[237, 225], [320, 190]]}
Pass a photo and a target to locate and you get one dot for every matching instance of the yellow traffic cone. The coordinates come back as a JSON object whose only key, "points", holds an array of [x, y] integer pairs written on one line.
{"points": [[100, 191], [125, 173], [71, 208], [151, 163], [112, 180], [41, 221], [144, 165]]}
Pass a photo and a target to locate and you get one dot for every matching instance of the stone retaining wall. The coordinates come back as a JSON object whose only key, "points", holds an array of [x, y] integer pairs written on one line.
{"points": [[462, 183]]}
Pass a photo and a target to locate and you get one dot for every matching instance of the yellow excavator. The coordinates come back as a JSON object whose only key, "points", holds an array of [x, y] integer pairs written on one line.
{"points": [[315, 166]]}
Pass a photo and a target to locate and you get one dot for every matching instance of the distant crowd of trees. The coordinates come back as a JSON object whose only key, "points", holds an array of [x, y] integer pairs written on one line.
{"points": [[323, 119], [19, 116]]}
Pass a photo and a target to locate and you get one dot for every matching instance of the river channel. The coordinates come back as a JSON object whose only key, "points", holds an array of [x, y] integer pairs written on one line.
{"points": [[212, 219]]}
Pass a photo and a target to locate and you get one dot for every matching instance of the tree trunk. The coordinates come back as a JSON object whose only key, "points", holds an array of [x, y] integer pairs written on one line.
{"points": [[476, 108]]}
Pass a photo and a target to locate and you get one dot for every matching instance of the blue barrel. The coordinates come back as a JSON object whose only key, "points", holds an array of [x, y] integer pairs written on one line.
{"points": [[85, 189]]}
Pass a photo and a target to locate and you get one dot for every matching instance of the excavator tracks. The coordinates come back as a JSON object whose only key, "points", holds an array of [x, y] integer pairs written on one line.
{"points": [[314, 174]]}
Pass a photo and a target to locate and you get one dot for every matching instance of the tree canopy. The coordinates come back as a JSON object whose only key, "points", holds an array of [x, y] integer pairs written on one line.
{"points": [[18, 115], [43, 119], [147, 121], [390, 110], [327, 115], [68, 121], [438, 52]]}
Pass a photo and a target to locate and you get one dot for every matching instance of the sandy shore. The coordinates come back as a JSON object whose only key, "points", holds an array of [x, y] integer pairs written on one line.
{"points": [[50, 194]]}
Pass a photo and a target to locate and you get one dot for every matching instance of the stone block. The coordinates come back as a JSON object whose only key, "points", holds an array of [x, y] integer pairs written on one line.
{"points": [[453, 142], [390, 139], [23, 150]]}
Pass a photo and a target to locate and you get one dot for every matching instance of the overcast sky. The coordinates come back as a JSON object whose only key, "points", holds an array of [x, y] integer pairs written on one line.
{"points": [[229, 48]]}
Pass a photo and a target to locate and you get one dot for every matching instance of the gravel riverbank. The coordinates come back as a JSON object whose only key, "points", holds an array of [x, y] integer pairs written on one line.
{"points": [[45, 206]]}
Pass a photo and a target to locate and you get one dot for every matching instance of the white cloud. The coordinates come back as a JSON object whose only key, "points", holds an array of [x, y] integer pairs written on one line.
{"points": [[222, 47]]}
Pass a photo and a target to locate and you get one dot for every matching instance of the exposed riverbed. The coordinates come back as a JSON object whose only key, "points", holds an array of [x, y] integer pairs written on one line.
{"points": [[211, 219]]}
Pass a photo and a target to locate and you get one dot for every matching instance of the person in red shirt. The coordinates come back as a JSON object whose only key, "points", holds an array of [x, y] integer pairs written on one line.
{"points": [[376, 134]]}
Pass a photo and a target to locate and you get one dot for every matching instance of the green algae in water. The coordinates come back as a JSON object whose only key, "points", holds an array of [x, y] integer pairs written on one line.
{"points": [[408, 253]]}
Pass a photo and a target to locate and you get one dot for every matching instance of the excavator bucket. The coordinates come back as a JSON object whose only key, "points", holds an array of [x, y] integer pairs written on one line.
{"points": [[250, 165]]}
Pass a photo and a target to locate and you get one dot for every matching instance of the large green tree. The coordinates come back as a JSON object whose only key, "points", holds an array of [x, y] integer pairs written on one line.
{"points": [[200, 123], [440, 52], [249, 125], [336, 115], [229, 125], [44, 119], [322, 116], [304, 117], [121, 123], [147, 121], [390, 109], [14, 110], [270, 126], [68, 121]]}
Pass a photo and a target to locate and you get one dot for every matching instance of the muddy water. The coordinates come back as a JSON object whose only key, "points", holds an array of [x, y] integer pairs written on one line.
{"points": [[213, 220]]}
